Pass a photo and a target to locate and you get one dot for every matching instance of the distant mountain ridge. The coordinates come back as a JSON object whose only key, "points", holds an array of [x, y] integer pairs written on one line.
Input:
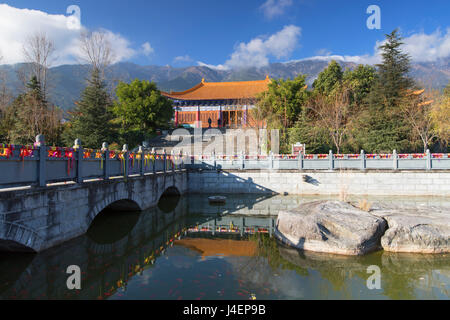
{"points": [[68, 81]]}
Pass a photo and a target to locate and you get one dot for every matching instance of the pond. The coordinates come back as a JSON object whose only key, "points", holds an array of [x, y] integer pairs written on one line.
{"points": [[187, 249]]}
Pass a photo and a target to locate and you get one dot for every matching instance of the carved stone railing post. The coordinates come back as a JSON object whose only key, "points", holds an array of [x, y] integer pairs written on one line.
{"points": [[270, 160], [172, 155], [363, 160], [182, 165], [80, 157], [165, 161], [141, 152], [42, 176], [126, 156], [154, 160], [395, 159], [300, 161], [105, 151], [429, 160], [213, 158], [331, 160]]}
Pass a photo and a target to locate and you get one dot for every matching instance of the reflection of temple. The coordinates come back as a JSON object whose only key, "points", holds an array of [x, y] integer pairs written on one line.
{"points": [[222, 247], [226, 104]]}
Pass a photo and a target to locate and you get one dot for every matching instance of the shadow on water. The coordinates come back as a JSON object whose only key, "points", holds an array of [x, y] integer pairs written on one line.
{"points": [[169, 200], [16, 264], [111, 226]]}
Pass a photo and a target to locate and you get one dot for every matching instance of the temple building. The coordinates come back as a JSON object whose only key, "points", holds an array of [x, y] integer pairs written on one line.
{"points": [[224, 104]]}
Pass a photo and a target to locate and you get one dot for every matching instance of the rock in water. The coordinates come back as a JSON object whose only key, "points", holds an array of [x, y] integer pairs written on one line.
{"points": [[416, 230], [330, 226]]}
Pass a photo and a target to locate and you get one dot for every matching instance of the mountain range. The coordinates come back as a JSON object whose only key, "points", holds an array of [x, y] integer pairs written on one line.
{"points": [[67, 82]]}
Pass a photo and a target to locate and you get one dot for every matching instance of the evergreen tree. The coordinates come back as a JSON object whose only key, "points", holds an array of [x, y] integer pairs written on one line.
{"points": [[30, 114], [91, 119], [34, 88], [360, 81], [284, 102], [382, 127], [329, 79], [140, 110]]}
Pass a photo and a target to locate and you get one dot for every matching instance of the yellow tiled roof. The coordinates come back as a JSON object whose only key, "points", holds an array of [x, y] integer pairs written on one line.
{"points": [[221, 90]]}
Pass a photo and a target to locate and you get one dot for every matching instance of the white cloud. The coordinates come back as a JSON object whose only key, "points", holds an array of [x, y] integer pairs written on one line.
{"points": [[17, 25], [274, 8], [256, 53], [428, 47], [219, 67], [147, 49], [181, 59], [421, 47], [365, 59]]}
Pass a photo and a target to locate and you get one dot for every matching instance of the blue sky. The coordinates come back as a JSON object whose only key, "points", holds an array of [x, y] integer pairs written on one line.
{"points": [[237, 33]]}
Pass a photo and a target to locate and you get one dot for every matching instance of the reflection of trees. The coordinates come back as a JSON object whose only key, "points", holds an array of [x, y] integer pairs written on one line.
{"points": [[337, 269], [267, 251], [402, 274]]}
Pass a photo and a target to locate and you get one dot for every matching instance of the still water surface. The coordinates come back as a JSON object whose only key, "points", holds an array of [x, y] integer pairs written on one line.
{"points": [[176, 251]]}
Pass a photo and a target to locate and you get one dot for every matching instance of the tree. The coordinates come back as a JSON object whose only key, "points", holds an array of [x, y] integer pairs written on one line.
{"points": [[381, 127], [141, 109], [440, 115], [6, 115], [38, 50], [360, 81], [333, 114], [393, 79], [329, 79], [284, 101], [30, 115], [306, 130], [417, 112], [5, 96], [91, 119], [96, 50], [282, 104]]}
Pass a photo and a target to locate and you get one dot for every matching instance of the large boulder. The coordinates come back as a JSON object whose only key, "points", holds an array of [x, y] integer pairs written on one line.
{"points": [[332, 227], [416, 229]]}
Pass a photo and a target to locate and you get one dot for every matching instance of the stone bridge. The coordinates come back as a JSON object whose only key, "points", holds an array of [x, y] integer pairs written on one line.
{"points": [[39, 218]]}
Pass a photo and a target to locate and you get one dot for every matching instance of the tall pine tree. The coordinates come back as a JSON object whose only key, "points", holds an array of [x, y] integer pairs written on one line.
{"points": [[382, 127], [30, 114], [91, 119]]}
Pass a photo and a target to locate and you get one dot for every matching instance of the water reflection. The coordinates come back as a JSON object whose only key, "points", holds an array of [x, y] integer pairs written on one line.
{"points": [[186, 249]]}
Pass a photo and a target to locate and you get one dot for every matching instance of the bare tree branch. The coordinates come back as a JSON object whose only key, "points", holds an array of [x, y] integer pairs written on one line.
{"points": [[38, 50], [5, 96], [333, 113], [417, 111], [96, 50]]}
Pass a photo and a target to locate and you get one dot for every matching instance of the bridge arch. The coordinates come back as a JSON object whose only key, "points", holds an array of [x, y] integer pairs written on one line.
{"points": [[170, 191], [169, 199], [115, 202], [19, 238]]}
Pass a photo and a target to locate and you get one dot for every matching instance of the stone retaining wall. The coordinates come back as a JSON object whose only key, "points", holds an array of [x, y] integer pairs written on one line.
{"points": [[383, 183]]}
